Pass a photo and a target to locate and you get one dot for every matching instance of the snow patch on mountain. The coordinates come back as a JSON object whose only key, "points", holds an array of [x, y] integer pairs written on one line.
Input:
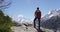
{"points": [[22, 20]]}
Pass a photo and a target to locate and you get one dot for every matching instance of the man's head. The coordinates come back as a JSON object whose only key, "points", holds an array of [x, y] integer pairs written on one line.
{"points": [[37, 8]]}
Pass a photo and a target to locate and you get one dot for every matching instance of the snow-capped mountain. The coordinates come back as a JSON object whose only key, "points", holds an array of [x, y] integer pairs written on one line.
{"points": [[51, 14], [51, 20], [22, 20]]}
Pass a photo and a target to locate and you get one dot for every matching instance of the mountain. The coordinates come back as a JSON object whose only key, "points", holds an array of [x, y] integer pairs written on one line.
{"points": [[22, 20], [51, 20]]}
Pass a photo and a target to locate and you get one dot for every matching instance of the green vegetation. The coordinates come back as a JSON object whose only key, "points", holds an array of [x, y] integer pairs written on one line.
{"points": [[5, 22]]}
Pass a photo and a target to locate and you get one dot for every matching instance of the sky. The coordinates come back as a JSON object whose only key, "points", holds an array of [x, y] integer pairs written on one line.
{"points": [[27, 8]]}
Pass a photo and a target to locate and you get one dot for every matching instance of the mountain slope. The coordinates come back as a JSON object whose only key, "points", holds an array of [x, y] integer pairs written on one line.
{"points": [[51, 20]]}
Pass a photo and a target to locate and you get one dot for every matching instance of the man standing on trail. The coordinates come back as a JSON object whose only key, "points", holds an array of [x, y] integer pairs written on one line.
{"points": [[37, 16]]}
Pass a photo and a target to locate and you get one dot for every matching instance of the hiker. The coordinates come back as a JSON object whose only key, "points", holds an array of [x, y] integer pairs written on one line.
{"points": [[37, 16]]}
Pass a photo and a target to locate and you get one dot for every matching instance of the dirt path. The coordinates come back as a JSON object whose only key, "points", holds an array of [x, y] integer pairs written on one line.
{"points": [[23, 29], [30, 29]]}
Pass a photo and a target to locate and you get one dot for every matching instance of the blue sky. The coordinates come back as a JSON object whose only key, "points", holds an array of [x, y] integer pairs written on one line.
{"points": [[28, 7]]}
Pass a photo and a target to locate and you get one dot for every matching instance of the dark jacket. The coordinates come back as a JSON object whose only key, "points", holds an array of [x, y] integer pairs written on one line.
{"points": [[38, 13]]}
